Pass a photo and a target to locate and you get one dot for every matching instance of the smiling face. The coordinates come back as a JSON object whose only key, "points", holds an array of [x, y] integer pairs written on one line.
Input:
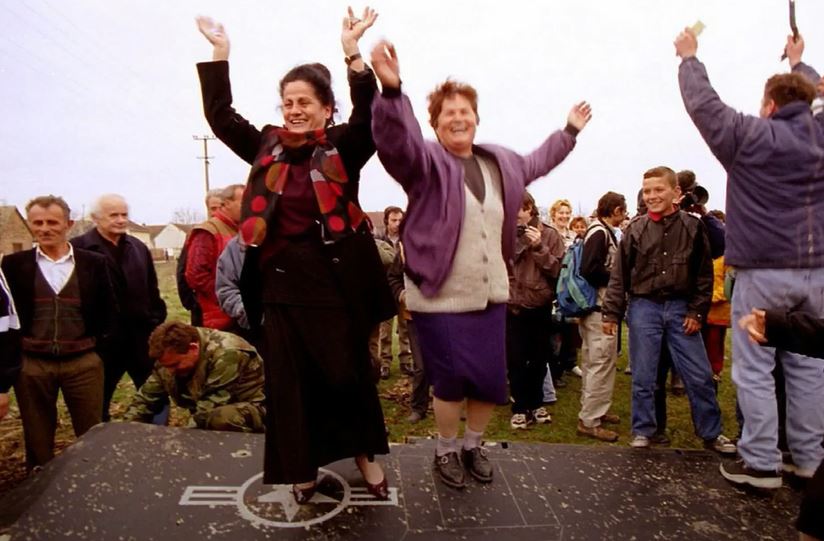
{"points": [[456, 125], [49, 225], [561, 217], [660, 195], [302, 110]]}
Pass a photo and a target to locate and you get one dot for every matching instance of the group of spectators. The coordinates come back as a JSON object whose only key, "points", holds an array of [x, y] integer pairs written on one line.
{"points": [[292, 298]]}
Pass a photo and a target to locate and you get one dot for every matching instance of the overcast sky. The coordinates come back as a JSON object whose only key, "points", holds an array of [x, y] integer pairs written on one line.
{"points": [[102, 96]]}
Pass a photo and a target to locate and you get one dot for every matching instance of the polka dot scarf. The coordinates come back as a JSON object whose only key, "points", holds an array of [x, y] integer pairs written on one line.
{"points": [[268, 177]]}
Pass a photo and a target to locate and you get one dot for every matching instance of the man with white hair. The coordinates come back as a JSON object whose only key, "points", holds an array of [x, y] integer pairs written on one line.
{"points": [[135, 285]]}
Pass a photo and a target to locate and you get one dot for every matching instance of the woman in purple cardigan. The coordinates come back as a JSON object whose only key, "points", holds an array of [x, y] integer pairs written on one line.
{"points": [[458, 234]]}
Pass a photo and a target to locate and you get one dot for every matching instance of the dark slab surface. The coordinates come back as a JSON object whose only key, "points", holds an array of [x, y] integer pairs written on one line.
{"points": [[131, 481]]}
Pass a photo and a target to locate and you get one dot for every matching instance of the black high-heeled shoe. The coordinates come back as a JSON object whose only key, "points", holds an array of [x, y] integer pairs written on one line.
{"points": [[303, 495]]}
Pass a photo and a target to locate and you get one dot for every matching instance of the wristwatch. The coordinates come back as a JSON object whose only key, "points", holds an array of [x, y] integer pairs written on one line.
{"points": [[350, 59]]}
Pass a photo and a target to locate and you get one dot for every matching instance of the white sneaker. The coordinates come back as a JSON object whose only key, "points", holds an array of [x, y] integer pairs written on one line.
{"points": [[541, 416], [577, 371], [639, 442], [789, 466], [519, 421]]}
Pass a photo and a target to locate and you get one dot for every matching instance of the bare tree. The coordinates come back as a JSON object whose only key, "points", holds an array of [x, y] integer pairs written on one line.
{"points": [[187, 215]]}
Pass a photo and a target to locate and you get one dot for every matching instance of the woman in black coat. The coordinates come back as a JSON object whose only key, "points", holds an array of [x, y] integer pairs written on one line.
{"points": [[312, 272]]}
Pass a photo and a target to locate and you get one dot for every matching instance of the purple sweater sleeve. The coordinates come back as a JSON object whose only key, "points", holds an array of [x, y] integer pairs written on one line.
{"points": [[401, 147], [548, 156]]}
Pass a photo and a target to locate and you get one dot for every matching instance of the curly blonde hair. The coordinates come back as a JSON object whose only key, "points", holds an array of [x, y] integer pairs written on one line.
{"points": [[557, 205]]}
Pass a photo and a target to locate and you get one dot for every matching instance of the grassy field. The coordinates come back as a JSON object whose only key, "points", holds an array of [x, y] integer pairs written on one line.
{"points": [[395, 398]]}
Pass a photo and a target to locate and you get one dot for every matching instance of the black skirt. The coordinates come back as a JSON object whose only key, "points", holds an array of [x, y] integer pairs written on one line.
{"points": [[322, 402]]}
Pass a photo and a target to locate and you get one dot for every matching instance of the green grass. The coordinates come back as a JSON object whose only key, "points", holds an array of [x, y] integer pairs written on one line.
{"points": [[395, 400], [564, 413]]}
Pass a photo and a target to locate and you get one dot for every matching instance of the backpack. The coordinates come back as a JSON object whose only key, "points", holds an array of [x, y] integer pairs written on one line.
{"points": [[184, 292], [574, 295]]}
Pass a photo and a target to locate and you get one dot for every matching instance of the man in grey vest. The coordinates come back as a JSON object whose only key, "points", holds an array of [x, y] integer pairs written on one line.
{"points": [[66, 308]]}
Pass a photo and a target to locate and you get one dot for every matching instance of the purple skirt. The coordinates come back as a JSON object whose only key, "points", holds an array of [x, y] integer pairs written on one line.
{"points": [[464, 354]]}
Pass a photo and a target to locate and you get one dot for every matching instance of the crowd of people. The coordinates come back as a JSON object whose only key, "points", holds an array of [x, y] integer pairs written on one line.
{"points": [[292, 299]]}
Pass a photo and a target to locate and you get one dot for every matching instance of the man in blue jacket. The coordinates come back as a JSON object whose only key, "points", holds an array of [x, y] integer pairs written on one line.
{"points": [[775, 239]]}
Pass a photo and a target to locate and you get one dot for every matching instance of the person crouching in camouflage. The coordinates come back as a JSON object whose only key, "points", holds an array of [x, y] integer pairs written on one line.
{"points": [[215, 375]]}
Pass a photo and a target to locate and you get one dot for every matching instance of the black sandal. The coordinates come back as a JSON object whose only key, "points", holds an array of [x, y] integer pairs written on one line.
{"points": [[303, 495]]}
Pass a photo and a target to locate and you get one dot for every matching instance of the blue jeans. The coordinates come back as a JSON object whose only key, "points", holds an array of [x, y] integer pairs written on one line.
{"points": [[753, 365], [649, 322]]}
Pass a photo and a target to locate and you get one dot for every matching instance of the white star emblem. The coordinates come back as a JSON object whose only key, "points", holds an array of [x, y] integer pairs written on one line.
{"points": [[282, 494]]}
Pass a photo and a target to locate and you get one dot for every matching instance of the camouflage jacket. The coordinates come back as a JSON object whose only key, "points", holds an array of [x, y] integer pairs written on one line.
{"points": [[228, 371]]}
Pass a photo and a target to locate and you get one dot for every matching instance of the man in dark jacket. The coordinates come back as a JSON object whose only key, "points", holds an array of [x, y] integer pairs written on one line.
{"points": [[9, 344], [66, 307], [664, 267], [392, 218], [775, 240], [801, 333], [135, 286]]}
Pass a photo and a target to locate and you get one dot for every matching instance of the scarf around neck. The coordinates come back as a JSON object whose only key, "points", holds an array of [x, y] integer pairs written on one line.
{"points": [[267, 180], [658, 216]]}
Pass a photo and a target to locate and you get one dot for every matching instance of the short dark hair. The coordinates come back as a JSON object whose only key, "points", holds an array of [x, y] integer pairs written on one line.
{"points": [[448, 89], [609, 202], [529, 204], [786, 88], [318, 77], [173, 335], [388, 211], [577, 220], [46, 201], [686, 179], [662, 171], [718, 214]]}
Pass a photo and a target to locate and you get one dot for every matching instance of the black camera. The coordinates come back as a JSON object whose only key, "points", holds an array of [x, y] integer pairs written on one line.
{"points": [[533, 222], [694, 193], [697, 196]]}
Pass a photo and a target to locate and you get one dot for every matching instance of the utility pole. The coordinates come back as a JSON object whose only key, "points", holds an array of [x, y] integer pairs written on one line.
{"points": [[205, 157]]}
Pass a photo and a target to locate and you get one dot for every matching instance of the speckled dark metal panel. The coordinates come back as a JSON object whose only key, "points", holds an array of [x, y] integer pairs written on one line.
{"points": [[142, 482]]}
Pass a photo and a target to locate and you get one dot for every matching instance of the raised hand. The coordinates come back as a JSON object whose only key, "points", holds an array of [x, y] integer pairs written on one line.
{"points": [[385, 64], [686, 44], [214, 32], [794, 49], [354, 28], [580, 115]]}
